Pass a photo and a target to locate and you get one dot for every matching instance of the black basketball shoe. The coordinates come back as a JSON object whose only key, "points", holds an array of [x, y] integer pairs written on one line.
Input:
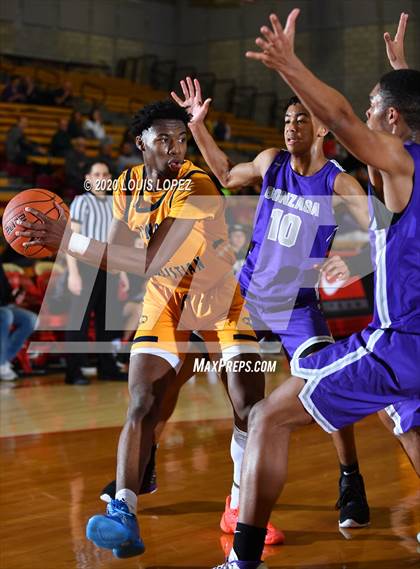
{"points": [[352, 503]]}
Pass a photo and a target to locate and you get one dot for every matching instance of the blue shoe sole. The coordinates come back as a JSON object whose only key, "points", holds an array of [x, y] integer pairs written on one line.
{"points": [[131, 550], [106, 533]]}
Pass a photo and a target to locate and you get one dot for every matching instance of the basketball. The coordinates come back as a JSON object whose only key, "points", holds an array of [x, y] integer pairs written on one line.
{"points": [[42, 200]]}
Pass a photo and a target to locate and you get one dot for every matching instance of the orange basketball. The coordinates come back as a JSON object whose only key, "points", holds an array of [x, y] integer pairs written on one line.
{"points": [[42, 200]]}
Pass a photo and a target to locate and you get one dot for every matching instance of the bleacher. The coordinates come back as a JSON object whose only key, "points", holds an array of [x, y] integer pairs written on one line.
{"points": [[119, 99], [124, 97]]}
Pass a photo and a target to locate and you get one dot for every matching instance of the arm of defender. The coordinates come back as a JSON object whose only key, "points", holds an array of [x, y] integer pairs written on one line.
{"points": [[351, 192], [395, 47], [396, 58], [230, 176], [378, 149]]}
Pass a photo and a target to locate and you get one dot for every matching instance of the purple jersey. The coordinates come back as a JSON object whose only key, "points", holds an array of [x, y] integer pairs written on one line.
{"points": [[395, 242], [378, 367], [294, 226]]}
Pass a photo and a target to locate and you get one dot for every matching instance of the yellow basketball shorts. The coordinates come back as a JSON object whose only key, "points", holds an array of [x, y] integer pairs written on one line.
{"points": [[218, 315]]}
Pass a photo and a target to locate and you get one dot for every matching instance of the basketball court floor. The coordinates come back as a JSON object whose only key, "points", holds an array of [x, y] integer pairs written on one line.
{"points": [[58, 447]]}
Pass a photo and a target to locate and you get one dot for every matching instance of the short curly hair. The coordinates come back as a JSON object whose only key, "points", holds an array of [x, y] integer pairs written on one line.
{"points": [[160, 110], [401, 89]]}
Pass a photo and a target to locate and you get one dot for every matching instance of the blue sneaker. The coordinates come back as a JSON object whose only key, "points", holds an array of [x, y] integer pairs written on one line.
{"points": [[117, 530], [128, 550]]}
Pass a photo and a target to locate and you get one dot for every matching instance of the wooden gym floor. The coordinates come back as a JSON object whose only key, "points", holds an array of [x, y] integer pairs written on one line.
{"points": [[58, 449]]}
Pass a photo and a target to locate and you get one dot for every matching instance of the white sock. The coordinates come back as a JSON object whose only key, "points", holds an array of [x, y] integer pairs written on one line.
{"points": [[129, 497], [237, 449], [232, 555]]}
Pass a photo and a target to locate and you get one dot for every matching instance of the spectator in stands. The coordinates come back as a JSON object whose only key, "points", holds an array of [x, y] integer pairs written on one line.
{"points": [[18, 146], [16, 325], [75, 128], [94, 127], [105, 155], [12, 93], [63, 97], [128, 156], [61, 141], [128, 137], [30, 90], [91, 215], [76, 164], [221, 129]]}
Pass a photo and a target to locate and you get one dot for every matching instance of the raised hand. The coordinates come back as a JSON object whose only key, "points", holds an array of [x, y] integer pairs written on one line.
{"points": [[49, 233], [277, 49], [395, 47], [193, 102]]}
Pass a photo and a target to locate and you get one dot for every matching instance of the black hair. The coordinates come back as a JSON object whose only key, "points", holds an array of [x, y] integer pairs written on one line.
{"points": [[89, 165], [92, 112], [292, 101], [401, 89], [161, 110]]}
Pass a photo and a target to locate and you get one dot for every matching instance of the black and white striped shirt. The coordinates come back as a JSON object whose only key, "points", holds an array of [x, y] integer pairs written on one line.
{"points": [[94, 215]]}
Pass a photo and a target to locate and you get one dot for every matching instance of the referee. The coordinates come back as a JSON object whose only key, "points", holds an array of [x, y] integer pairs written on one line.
{"points": [[91, 216]]}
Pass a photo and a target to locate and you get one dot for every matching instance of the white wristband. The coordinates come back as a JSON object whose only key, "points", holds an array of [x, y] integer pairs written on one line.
{"points": [[78, 243]]}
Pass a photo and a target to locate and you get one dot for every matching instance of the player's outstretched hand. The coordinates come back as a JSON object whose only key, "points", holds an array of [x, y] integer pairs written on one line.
{"points": [[334, 269], [277, 46], [193, 102], [50, 233], [395, 47]]}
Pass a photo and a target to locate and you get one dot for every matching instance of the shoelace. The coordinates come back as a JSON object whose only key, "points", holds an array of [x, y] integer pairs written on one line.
{"points": [[120, 510]]}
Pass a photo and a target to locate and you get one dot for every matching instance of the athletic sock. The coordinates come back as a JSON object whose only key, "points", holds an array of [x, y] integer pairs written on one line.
{"points": [[349, 469], [237, 449], [129, 497], [248, 542]]}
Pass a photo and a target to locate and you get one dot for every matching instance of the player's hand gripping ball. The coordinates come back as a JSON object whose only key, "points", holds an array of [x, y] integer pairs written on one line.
{"points": [[21, 226]]}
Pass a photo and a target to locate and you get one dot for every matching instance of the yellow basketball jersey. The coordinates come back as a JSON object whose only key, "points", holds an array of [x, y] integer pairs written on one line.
{"points": [[205, 257]]}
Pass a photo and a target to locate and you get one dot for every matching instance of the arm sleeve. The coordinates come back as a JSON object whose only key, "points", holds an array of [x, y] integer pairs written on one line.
{"points": [[200, 200]]}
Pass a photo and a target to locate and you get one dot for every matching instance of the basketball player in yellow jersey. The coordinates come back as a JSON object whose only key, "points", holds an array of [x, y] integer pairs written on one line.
{"points": [[179, 214]]}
